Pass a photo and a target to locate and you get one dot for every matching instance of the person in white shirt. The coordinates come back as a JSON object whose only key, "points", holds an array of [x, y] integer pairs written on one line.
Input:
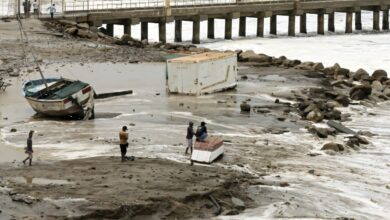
{"points": [[36, 9], [52, 10]]}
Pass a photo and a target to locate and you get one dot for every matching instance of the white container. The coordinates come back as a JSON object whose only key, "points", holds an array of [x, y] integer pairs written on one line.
{"points": [[202, 73]]}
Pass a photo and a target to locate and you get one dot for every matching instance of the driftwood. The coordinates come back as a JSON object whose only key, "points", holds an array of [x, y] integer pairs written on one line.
{"points": [[112, 94], [339, 127]]}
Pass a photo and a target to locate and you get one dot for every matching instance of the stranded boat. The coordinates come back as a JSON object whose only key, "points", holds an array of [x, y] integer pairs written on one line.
{"points": [[208, 151], [59, 97]]}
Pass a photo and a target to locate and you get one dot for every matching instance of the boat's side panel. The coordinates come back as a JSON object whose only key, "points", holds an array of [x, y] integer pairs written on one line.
{"points": [[206, 156]]}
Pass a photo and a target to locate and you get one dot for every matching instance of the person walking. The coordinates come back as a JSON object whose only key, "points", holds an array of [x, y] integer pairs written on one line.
{"points": [[36, 9], [25, 8], [123, 144], [29, 150], [52, 10], [190, 135]]}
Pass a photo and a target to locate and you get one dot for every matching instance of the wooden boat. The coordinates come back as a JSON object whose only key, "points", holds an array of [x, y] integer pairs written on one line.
{"points": [[208, 151], [59, 97]]}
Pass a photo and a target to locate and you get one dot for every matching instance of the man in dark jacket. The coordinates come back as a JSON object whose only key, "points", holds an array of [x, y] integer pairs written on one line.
{"points": [[190, 135], [29, 150], [201, 132]]}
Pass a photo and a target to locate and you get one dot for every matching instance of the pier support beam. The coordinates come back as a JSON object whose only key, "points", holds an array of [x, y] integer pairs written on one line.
{"points": [[320, 24], [228, 28], [260, 25], [348, 22], [162, 35], [273, 25], [242, 27], [144, 30], [196, 32], [291, 25], [178, 28], [110, 30], [302, 25], [127, 27], [210, 28], [331, 22], [358, 20], [376, 20], [385, 22]]}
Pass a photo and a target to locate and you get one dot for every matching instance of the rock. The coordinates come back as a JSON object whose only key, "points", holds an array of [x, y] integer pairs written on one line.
{"points": [[15, 73], [244, 56], [360, 74], [13, 130], [305, 66], [83, 26], [320, 132], [379, 75], [377, 85], [238, 203], [244, 77], [318, 66], [328, 71], [232, 212], [315, 116], [67, 23], [333, 115], [343, 100], [71, 30], [259, 58], [386, 91], [22, 198], [245, 107], [86, 34], [339, 127], [311, 171], [343, 72], [333, 146], [360, 92], [284, 184]]}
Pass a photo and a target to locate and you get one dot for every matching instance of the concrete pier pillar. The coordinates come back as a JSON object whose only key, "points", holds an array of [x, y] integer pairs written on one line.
{"points": [[242, 27], [127, 27], [376, 20], [178, 29], [228, 28], [291, 25], [358, 20], [144, 30], [210, 28], [302, 26], [260, 25], [162, 35], [385, 22], [348, 22], [320, 24], [110, 29], [196, 32], [331, 22], [273, 25]]}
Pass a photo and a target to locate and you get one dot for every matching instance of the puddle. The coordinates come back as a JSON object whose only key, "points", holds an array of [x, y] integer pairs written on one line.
{"points": [[28, 180]]}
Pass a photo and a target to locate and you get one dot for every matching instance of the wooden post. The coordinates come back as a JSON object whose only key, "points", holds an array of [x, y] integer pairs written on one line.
{"points": [[210, 28], [242, 27], [320, 24], [273, 25], [178, 29], [358, 20], [302, 27], [291, 25], [196, 32], [228, 28], [331, 22], [348, 22], [260, 25]]}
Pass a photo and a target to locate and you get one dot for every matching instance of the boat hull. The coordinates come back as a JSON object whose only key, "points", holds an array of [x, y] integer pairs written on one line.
{"points": [[207, 152]]}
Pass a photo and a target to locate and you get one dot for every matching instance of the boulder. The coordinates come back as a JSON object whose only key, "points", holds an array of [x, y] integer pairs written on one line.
{"points": [[343, 100], [360, 74], [328, 71], [238, 203], [315, 116], [341, 72], [320, 132], [360, 92], [83, 26], [333, 146], [67, 23], [259, 58], [244, 56], [318, 66], [245, 107], [333, 115], [86, 34], [386, 91], [377, 85], [379, 75], [305, 66], [71, 30]]}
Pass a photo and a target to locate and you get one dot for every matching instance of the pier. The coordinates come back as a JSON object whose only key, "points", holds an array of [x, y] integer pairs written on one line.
{"points": [[129, 12]]}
